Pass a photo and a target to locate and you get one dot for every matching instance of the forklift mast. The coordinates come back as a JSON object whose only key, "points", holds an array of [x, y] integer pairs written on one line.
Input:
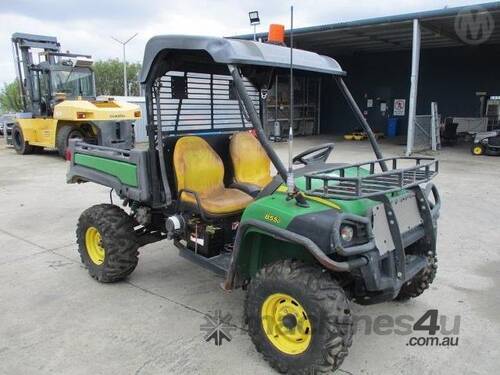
{"points": [[28, 73]]}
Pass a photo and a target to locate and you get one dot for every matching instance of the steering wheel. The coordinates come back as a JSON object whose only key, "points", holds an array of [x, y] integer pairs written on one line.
{"points": [[314, 154]]}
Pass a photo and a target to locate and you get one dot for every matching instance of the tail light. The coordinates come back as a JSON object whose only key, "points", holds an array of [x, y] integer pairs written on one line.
{"points": [[81, 115], [68, 154], [137, 114]]}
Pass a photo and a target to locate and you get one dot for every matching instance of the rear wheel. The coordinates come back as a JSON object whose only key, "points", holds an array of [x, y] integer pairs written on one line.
{"points": [[64, 134], [107, 243], [20, 145], [298, 318], [478, 149]]}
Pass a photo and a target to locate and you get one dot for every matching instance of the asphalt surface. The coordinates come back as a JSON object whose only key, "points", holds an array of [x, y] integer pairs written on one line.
{"points": [[55, 319]]}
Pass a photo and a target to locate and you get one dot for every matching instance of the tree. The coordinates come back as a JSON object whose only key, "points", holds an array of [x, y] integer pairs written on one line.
{"points": [[109, 77], [10, 98]]}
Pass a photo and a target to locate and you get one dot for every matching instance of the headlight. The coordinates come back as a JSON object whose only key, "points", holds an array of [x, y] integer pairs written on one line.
{"points": [[346, 233]]}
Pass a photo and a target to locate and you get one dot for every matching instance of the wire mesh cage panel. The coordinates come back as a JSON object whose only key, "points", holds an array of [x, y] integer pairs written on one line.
{"points": [[189, 102]]}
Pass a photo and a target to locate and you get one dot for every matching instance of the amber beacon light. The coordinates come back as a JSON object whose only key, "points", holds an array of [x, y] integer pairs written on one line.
{"points": [[276, 34]]}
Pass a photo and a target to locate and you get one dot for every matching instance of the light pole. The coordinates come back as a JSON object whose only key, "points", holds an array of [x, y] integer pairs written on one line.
{"points": [[254, 21], [125, 88]]}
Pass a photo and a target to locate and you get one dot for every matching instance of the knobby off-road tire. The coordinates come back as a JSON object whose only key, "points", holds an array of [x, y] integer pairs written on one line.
{"points": [[325, 304], [64, 134], [117, 242], [421, 282], [20, 145]]}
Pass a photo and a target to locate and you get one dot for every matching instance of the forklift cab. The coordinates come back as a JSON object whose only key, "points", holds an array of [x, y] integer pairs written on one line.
{"points": [[52, 84], [74, 81]]}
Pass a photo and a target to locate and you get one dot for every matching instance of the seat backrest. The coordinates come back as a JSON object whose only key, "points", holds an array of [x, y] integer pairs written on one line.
{"points": [[250, 162], [197, 166]]}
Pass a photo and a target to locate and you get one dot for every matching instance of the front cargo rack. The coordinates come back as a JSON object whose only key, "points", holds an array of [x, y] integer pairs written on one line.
{"points": [[366, 180]]}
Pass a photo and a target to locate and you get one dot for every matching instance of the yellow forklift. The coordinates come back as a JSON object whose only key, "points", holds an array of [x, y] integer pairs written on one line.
{"points": [[59, 101]]}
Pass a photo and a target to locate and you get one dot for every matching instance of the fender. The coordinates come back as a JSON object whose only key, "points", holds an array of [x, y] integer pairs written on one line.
{"points": [[286, 235]]}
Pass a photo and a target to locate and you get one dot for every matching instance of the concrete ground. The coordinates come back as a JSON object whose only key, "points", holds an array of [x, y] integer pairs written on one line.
{"points": [[55, 319]]}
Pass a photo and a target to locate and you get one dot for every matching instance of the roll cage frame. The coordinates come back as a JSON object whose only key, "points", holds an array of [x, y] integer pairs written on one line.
{"points": [[195, 59]]}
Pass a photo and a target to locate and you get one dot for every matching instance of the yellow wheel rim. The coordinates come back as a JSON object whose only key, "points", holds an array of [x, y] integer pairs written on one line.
{"points": [[477, 150], [286, 324], [93, 243]]}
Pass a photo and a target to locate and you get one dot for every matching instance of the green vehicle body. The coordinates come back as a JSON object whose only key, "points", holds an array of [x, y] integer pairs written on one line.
{"points": [[302, 246], [258, 247], [303, 222]]}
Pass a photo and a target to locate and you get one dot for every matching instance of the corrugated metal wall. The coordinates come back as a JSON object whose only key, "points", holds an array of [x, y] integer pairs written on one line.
{"points": [[449, 76]]}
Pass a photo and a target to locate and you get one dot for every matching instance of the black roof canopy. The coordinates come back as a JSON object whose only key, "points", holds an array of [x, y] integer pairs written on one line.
{"points": [[395, 33], [236, 51]]}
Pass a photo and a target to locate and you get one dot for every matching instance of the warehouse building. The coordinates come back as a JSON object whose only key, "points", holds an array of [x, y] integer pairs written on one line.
{"points": [[397, 66]]}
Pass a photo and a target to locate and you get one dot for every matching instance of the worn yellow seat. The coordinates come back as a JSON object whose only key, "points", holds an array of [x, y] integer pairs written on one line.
{"points": [[198, 168], [250, 162]]}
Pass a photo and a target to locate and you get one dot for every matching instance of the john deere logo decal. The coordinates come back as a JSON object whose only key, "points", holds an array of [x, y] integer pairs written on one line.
{"points": [[272, 218]]}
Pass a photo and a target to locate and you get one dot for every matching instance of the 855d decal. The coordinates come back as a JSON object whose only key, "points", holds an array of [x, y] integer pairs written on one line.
{"points": [[272, 218]]}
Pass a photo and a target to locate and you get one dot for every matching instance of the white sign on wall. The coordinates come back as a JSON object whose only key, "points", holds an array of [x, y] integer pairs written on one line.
{"points": [[399, 107]]}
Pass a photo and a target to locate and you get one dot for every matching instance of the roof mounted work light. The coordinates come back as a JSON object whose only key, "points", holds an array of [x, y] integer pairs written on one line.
{"points": [[254, 17]]}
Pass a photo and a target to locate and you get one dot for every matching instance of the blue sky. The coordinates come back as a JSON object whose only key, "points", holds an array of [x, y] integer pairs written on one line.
{"points": [[87, 26]]}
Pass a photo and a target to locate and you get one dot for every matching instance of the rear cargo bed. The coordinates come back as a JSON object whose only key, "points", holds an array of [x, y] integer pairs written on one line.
{"points": [[125, 171]]}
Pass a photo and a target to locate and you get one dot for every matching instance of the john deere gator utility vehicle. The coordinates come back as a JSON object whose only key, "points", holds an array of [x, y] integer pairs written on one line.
{"points": [[302, 248], [59, 100]]}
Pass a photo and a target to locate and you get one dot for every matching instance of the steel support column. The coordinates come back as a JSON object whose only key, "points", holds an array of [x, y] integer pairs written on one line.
{"points": [[415, 64]]}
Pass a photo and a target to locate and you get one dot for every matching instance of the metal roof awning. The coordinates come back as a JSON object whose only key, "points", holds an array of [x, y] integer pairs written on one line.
{"points": [[237, 51], [394, 33]]}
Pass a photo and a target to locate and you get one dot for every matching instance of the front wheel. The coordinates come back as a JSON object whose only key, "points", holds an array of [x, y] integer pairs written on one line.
{"points": [[421, 282], [298, 318], [64, 134], [107, 243]]}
